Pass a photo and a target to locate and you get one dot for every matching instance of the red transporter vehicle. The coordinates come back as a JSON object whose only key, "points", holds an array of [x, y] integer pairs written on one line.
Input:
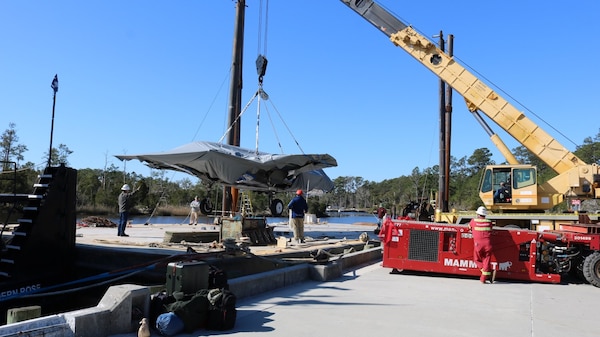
{"points": [[518, 254], [562, 244]]}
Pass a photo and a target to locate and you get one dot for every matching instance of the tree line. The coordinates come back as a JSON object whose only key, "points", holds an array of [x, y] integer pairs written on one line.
{"points": [[98, 188]]}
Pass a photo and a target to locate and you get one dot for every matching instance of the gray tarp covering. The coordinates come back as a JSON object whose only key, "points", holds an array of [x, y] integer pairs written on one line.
{"points": [[242, 168]]}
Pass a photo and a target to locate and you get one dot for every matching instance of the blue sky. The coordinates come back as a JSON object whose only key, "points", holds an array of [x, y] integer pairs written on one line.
{"points": [[148, 76]]}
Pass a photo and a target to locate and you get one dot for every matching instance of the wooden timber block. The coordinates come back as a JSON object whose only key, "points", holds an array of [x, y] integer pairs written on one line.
{"points": [[282, 242], [176, 237]]}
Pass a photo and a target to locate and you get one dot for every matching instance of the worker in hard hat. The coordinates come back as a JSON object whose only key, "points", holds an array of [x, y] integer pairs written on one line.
{"points": [[298, 207], [125, 203], [482, 243], [195, 208]]}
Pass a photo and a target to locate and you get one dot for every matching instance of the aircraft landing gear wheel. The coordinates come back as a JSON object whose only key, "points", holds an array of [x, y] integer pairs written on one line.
{"points": [[206, 206], [591, 269], [276, 207]]}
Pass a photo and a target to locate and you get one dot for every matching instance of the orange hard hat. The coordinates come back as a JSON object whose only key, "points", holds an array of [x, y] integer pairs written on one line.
{"points": [[299, 192]]}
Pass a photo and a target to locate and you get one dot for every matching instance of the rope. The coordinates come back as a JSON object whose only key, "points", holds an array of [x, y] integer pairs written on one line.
{"points": [[274, 130], [189, 215], [60, 292], [238, 117], [211, 104], [286, 126], [120, 274], [156, 206]]}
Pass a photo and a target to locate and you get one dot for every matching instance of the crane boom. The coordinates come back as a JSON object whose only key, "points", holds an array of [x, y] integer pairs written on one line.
{"points": [[478, 95]]}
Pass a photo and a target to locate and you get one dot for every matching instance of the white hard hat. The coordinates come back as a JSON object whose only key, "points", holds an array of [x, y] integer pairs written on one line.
{"points": [[125, 188], [481, 211]]}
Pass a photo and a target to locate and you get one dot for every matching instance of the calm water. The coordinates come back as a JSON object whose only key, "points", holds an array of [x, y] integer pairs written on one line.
{"points": [[343, 217]]}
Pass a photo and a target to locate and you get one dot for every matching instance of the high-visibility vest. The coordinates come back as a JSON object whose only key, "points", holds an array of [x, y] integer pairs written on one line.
{"points": [[481, 228]]}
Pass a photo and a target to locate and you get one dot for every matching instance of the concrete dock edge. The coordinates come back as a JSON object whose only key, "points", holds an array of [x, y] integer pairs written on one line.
{"points": [[114, 312]]}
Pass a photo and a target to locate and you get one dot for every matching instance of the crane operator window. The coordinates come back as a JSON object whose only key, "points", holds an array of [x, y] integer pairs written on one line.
{"points": [[523, 178], [486, 184]]}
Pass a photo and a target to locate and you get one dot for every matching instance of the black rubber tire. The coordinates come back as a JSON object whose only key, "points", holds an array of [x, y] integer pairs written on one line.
{"points": [[206, 206], [276, 207], [591, 269]]}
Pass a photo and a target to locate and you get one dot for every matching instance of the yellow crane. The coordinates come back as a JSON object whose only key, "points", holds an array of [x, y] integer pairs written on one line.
{"points": [[575, 179]]}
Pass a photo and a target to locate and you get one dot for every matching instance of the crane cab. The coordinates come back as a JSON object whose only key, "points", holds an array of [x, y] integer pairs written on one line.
{"points": [[509, 187]]}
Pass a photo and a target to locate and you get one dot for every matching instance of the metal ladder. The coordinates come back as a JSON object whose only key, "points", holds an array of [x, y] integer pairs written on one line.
{"points": [[246, 205], [20, 235]]}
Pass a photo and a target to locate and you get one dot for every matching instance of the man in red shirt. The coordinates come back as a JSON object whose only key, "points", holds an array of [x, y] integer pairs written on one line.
{"points": [[482, 244], [381, 211]]}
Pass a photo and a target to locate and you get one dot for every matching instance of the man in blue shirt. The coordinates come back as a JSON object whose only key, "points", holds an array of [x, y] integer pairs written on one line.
{"points": [[502, 194], [298, 206]]}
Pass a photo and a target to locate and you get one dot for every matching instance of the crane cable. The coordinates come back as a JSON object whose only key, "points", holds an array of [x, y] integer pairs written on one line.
{"points": [[261, 63], [261, 68], [260, 28]]}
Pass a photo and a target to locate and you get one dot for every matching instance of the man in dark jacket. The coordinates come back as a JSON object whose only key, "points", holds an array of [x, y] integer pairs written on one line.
{"points": [[125, 203], [298, 207], [502, 194]]}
